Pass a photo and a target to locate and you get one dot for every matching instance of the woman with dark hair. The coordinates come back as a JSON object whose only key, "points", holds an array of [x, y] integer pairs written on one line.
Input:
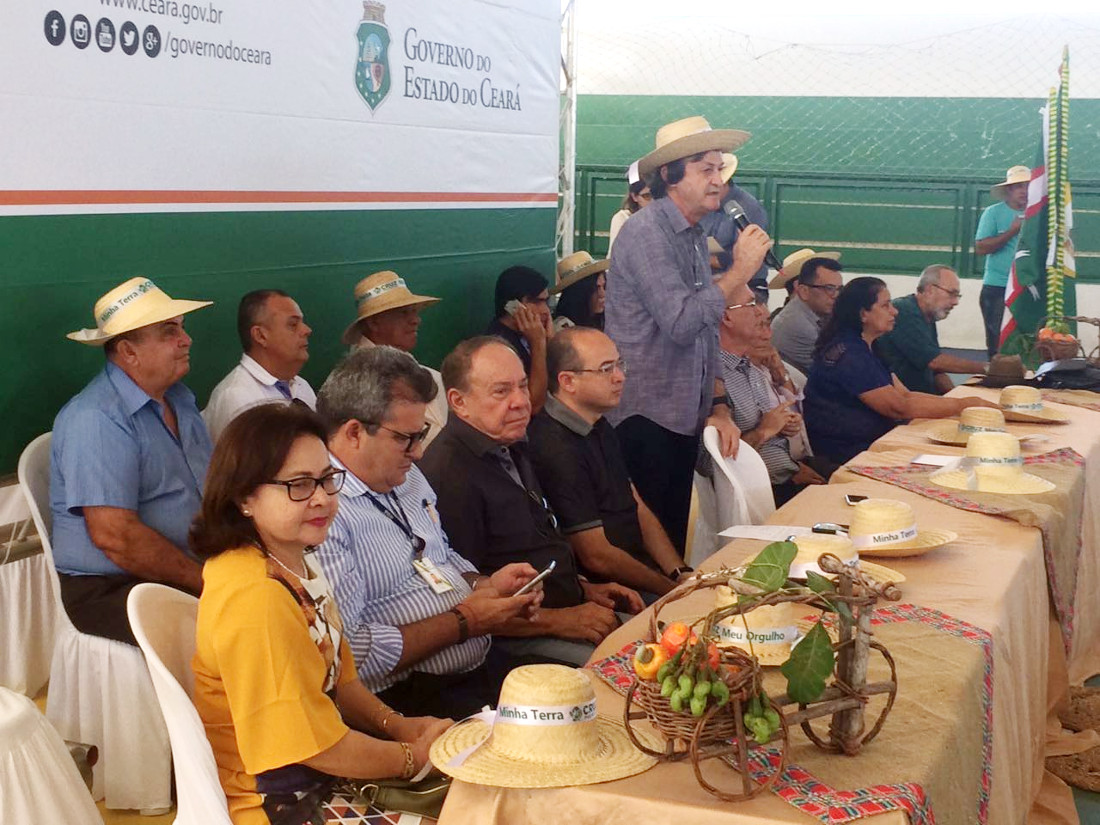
{"points": [[637, 196], [851, 396], [581, 287], [275, 683]]}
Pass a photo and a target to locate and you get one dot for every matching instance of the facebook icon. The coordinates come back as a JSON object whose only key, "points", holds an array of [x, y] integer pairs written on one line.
{"points": [[55, 28]]}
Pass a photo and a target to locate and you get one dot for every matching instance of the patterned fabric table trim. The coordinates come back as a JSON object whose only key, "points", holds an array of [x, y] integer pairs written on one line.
{"points": [[835, 806], [1071, 398], [912, 477]]}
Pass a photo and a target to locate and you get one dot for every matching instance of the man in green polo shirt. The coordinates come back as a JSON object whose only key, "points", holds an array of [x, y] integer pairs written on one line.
{"points": [[912, 348], [998, 232]]}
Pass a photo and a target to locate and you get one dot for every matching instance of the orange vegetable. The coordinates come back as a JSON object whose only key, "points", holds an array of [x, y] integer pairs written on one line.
{"points": [[648, 660], [1046, 333]]}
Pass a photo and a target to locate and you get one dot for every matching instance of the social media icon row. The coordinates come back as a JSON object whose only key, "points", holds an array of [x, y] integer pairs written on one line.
{"points": [[82, 34]]}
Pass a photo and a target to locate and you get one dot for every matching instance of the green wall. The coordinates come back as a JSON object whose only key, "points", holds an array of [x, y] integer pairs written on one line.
{"points": [[895, 183], [54, 269]]}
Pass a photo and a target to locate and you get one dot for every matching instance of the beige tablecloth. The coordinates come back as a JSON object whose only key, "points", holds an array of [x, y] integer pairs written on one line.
{"points": [[993, 577]]}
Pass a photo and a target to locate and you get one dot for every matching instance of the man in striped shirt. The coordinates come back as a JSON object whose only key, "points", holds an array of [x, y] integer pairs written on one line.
{"points": [[416, 614]]}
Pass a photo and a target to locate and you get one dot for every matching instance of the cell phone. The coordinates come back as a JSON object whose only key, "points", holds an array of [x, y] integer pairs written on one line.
{"points": [[512, 307], [854, 499], [829, 527], [527, 588]]}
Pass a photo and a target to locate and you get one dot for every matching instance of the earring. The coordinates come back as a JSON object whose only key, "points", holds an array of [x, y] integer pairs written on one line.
{"points": [[246, 512]]}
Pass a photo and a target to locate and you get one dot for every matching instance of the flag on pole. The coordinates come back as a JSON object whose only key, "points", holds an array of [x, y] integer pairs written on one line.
{"points": [[1041, 283]]}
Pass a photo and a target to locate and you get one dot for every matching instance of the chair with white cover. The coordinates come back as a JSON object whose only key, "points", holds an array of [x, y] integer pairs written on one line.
{"points": [[741, 485], [163, 621], [26, 612], [798, 377], [703, 540], [100, 692]]}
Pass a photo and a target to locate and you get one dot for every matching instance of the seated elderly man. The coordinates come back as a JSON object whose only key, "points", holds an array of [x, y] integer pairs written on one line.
{"points": [[796, 327], [275, 340], [764, 426], [388, 314], [416, 614], [128, 462], [912, 347], [577, 459], [778, 383], [494, 511]]}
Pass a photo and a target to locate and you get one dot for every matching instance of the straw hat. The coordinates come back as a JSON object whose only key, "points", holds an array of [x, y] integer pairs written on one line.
{"points": [[1021, 403], [380, 292], [971, 420], [687, 137], [812, 545], [992, 465], [884, 527], [729, 166], [767, 632], [792, 265], [576, 267], [545, 734], [1016, 174], [131, 305]]}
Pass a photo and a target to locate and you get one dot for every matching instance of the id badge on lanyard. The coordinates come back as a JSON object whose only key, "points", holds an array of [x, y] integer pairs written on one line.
{"points": [[430, 574]]}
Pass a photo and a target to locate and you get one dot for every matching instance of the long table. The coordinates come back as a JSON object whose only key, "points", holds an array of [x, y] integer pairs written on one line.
{"points": [[992, 577]]}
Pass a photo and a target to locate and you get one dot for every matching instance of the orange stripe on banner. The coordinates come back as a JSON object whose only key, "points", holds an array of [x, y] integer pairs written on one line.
{"points": [[59, 197]]}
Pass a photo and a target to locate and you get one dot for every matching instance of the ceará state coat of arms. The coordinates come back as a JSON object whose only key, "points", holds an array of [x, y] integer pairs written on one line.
{"points": [[372, 69]]}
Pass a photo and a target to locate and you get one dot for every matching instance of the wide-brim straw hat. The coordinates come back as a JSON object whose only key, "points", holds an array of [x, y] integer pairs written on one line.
{"points": [[992, 465], [812, 545], [687, 137], [1015, 174], [577, 267], [729, 166], [971, 420], [885, 527], [1019, 403], [792, 265], [546, 734], [772, 629], [378, 293], [131, 305]]}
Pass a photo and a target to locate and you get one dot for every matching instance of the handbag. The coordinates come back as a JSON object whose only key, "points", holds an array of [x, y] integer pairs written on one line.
{"points": [[423, 798]]}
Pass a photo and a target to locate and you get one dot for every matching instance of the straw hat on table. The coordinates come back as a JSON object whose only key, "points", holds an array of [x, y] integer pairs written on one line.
{"points": [[1015, 174], [992, 465], [1019, 403], [378, 293], [971, 420], [546, 734], [131, 305], [687, 137], [792, 265], [767, 632], [577, 267], [884, 527]]}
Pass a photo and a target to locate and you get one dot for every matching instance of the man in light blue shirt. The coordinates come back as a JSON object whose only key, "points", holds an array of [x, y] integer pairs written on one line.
{"points": [[416, 614], [998, 232], [128, 461]]}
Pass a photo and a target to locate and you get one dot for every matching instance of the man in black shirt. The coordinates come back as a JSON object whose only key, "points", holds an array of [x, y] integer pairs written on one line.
{"points": [[493, 510], [578, 460]]}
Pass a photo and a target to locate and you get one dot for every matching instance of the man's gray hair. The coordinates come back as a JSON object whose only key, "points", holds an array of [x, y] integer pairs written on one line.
{"points": [[931, 275], [367, 381]]}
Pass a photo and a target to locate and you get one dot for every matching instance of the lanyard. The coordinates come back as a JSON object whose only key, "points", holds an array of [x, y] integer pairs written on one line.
{"points": [[403, 523]]}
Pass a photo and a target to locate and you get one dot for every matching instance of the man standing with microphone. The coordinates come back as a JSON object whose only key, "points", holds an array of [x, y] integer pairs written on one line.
{"points": [[663, 312]]}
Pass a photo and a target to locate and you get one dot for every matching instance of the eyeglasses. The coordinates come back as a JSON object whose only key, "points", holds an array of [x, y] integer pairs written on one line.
{"points": [[831, 289], [411, 439], [954, 293], [742, 306], [302, 489], [608, 368]]}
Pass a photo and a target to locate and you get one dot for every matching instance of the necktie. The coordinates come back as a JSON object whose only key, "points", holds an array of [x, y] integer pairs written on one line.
{"points": [[283, 387]]}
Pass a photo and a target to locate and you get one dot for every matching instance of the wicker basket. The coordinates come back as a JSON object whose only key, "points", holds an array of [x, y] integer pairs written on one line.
{"points": [[1057, 350]]}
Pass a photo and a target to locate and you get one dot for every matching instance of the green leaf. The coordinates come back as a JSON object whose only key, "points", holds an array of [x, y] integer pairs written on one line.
{"points": [[769, 571], [811, 663], [820, 584]]}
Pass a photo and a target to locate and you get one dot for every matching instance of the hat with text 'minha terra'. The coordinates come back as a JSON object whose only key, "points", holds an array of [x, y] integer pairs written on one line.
{"points": [[545, 733], [131, 305]]}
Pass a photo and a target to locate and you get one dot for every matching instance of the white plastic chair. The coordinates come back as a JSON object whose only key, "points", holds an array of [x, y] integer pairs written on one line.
{"points": [[741, 485], [163, 621], [100, 692], [798, 377], [703, 539]]}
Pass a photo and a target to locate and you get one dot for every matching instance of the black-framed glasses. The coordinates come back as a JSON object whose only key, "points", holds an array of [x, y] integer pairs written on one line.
{"points": [[954, 293], [303, 488], [831, 289], [608, 368], [411, 439]]}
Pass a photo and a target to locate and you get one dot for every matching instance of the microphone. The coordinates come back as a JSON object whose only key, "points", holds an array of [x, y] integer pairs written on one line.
{"points": [[735, 211]]}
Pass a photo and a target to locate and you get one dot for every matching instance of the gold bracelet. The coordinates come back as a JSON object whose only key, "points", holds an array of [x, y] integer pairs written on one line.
{"points": [[409, 771], [386, 718]]}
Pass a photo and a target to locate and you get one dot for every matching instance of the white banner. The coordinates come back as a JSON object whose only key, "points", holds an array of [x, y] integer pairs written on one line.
{"points": [[152, 105]]}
